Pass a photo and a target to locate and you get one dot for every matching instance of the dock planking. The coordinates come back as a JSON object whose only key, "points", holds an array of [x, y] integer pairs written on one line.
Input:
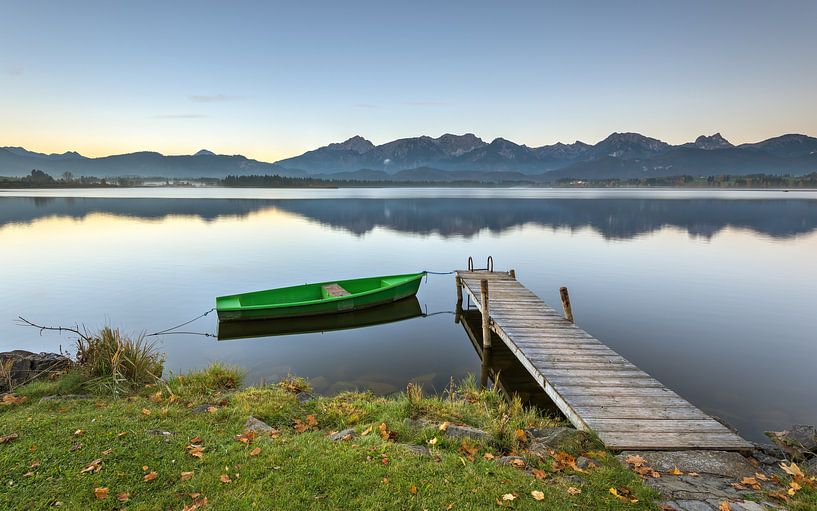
{"points": [[594, 387]]}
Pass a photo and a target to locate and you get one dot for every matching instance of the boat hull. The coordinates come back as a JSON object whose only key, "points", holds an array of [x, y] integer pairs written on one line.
{"points": [[312, 299]]}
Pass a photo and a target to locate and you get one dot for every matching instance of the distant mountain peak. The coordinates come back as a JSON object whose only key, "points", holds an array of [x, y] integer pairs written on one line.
{"points": [[357, 144], [205, 152], [710, 142]]}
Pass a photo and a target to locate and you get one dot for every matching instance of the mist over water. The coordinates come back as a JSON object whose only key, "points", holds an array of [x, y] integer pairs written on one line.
{"points": [[711, 293]]}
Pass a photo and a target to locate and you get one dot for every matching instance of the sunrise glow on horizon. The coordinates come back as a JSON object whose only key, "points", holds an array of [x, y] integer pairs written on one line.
{"points": [[272, 81]]}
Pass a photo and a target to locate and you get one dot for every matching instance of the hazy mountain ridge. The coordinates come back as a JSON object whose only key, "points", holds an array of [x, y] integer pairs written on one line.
{"points": [[620, 155], [143, 164], [455, 157]]}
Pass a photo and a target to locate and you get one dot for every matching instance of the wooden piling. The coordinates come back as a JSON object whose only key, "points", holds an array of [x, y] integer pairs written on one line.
{"points": [[512, 273], [486, 322], [566, 304], [458, 280]]}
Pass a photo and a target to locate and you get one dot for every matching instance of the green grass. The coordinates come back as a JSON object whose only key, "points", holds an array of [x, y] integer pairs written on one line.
{"points": [[294, 471]]}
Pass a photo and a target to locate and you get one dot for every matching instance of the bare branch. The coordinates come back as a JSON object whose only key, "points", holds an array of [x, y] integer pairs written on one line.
{"points": [[42, 328]]}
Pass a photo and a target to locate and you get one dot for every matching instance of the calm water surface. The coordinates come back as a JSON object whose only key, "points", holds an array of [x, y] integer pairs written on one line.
{"points": [[713, 293]]}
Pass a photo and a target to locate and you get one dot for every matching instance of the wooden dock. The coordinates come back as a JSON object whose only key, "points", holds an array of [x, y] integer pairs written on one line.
{"points": [[594, 387]]}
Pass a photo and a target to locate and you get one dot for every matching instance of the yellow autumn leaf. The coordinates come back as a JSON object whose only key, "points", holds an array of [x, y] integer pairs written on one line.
{"points": [[509, 496], [224, 478], [185, 476], [255, 452], [433, 441], [366, 431], [725, 506], [444, 426], [676, 472], [413, 489], [537, 495], [792, 470], [145, 411], [150, 476], [101, 493], [575, 491], [123, 497]]}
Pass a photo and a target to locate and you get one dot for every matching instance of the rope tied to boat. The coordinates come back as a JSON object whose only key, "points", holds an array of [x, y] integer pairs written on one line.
{"points": [[170, 331]]}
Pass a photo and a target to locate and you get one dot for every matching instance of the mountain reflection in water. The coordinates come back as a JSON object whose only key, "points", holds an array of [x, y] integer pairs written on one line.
{"points": [[616, 218]]}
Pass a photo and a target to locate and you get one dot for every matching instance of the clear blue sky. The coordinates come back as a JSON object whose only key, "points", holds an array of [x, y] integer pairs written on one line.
{"points": [[271, 81]]}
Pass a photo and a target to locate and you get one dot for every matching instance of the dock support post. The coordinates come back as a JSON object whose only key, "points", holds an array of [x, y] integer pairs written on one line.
{"points": [[486, 326], [512, 273], [458, 280], [566, 304]]}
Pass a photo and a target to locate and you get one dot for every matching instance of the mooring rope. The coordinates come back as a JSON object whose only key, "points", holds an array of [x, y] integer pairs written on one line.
{"points": [[439, 272], [171, 330]]}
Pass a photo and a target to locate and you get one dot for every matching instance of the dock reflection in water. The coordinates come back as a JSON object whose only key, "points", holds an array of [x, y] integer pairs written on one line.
{"points": [[398, 311], [501, 367]]}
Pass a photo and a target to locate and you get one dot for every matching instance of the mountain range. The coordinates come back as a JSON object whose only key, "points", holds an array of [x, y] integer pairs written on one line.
{"points": [[456, 157]]}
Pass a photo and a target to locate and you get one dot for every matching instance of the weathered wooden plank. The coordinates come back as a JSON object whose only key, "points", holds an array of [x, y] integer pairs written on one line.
{"points": [[657, 426], [630, 401], [583, 390], [630, 412], [589, 382]]}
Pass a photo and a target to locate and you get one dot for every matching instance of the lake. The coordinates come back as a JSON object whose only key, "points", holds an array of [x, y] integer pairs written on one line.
{"points": [[711, 292]]}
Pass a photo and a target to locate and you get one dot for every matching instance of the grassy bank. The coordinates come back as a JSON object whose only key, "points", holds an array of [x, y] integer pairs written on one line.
{"points": [[110, 453]]}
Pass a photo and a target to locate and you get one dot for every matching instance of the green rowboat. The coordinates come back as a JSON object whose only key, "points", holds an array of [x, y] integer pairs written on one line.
{"points": [[314, 299], [407, 308]]}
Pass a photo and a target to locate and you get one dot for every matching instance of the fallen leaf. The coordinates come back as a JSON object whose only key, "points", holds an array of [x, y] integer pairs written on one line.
{"points": [[8, 438], [79, 432], [521, 435], [145, 411], [444, 426], [539, 473], [94, 466], [255, 452], [34, 464], [195, 450], [28, 474], [212, 409], [792, 470], [750, 481], [123, 497], [725, 506], [761, 476], [186, 476], [150, 476], [693, 474], [413, 489], [157, 397], [537, 495], [195, 440], [385, 434], [517, 463], [366, 431], [121, 434], [509, 497], [224, 478], [433, 441], [76, 447], [107, 452], [10, 399], [675, 472], [469, 450], [488, 456], [635, 460], [575, 491], [101, 493]]}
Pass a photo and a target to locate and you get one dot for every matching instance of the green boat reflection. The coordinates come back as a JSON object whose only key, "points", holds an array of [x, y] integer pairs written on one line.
{"points": [[398, 311]]}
